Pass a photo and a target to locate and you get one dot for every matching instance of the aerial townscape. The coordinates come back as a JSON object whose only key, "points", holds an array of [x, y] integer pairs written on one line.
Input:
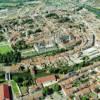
{"points": [[49, 49]]}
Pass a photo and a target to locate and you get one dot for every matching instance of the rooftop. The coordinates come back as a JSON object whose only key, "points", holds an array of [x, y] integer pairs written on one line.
{"points": [[46, 79], [4, 92]]}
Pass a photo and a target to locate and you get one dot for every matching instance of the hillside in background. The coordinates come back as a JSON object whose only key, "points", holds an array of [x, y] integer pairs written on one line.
{"points": [[13, 3]]}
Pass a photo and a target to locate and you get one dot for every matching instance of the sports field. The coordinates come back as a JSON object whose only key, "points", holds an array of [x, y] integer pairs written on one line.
{"points": [[5, 48]]}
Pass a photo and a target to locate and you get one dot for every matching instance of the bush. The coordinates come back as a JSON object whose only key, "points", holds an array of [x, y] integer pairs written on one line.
{"points": [[24, 78], [54, 15], [64, 19], [56, 88], [47, 91]]}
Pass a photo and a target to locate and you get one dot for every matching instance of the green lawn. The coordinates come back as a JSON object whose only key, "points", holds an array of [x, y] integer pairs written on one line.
{"points": [[15, 88], [5, 48]]}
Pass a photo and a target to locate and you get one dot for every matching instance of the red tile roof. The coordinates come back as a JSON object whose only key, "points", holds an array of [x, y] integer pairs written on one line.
{"points": [[45, 79], [4, 92]]}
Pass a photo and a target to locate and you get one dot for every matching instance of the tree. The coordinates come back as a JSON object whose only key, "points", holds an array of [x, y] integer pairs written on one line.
{"points": [[18, 79], [47, 91], [19, 45], [10, 57], [97, 89], [85, 59], [21, 68], [25, 83], [85, 97], [56, 88]]}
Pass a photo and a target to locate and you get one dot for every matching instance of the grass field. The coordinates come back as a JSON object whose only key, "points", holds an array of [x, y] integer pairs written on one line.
{"points": [[5, 48], [15, 88]]}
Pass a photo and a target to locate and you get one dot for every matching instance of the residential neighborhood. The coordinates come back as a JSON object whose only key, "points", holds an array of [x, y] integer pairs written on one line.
{"points": [[49, 50]]}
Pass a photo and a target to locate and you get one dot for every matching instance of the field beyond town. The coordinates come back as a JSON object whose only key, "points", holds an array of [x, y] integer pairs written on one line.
{"points": [[5, 48]]}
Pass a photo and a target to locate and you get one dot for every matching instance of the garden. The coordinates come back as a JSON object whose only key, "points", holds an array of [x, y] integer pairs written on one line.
{"points": [[50, 90]]}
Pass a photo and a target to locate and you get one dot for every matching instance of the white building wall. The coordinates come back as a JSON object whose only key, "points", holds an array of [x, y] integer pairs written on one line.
{"points": [[49, 83]]}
